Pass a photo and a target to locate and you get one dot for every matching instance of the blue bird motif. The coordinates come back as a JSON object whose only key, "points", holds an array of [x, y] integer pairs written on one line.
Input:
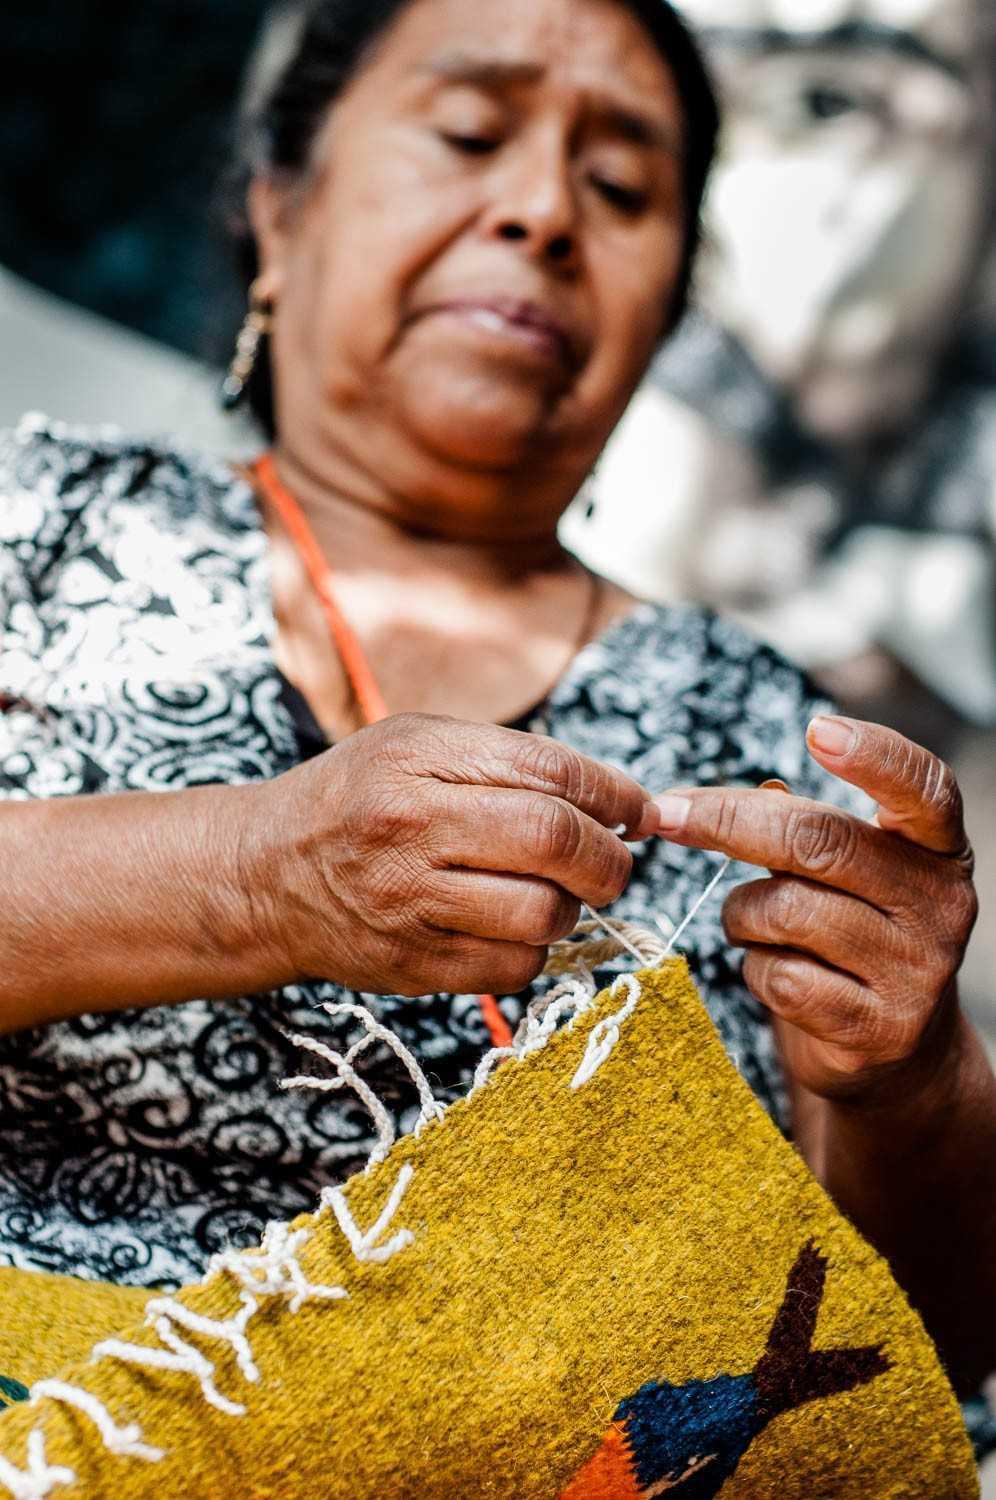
{"points": [[684, 1441]]}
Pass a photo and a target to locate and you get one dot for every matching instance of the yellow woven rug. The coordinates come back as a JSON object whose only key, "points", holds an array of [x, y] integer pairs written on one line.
{"points": [[603, 1276]]}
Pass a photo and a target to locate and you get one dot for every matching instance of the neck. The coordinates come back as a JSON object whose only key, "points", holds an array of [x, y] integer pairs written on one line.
{"points": [[355, 531]]}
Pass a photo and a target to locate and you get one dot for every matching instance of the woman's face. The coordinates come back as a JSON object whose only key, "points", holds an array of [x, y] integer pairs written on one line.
{"points": [[474, 276]]}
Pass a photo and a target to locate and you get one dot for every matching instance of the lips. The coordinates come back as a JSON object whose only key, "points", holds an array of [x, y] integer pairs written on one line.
{"points": [[535, 323]]}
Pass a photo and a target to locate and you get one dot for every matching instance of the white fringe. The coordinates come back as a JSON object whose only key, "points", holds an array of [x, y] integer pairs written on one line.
{"points": [[364, 1244], [38, 1480], [347, 1074], [274, 1269], [431, 1108], [605, 1035], [126, 1441], [571, 998], [160, 1314]]}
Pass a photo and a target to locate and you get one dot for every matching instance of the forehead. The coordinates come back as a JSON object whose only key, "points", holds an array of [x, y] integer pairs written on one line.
{"points": [[590, 44], [943, 31]]}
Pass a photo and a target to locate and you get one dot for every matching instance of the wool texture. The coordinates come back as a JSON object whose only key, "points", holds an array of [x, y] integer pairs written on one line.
{"points": [[49, 1321], [625, 1289]]}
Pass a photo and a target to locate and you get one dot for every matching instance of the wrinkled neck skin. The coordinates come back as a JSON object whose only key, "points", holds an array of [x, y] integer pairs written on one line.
{"points": [[480, 525]]}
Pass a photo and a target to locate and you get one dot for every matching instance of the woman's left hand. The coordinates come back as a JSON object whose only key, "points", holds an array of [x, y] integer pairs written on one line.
{"points": [[856, 940]]}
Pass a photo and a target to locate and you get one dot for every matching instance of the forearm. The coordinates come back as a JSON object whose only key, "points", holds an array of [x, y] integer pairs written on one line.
{"points": [[133, 899], [918, 1178]]}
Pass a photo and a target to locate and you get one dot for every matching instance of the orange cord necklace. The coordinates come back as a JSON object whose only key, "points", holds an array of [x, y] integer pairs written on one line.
{"points": [[366, 690]]}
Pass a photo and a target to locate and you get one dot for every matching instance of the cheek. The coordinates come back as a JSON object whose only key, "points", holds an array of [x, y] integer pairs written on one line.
{"points": [[374, 231], [633, 290]]}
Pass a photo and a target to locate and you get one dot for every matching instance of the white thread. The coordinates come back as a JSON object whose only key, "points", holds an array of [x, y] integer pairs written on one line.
{"points": [[616, 931], [231, 1330], [487, 1065], [364, 1042], [125, 1441], [179, 1357], [383, 1123], [39, 1479], [431, 1108], [677, 933], [605, 1034], [572, 997], [273, 1270], [363, 1243], [543, 1015]]}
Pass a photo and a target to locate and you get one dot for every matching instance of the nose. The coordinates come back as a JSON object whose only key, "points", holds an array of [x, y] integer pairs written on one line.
{"points": [[534, 205]]}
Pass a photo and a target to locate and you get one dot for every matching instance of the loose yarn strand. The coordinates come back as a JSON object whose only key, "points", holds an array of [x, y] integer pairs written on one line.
{"points": [[679, 931], [616, 931]]}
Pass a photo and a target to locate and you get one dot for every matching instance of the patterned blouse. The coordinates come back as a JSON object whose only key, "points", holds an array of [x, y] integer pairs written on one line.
{"points": [[136, 652]]}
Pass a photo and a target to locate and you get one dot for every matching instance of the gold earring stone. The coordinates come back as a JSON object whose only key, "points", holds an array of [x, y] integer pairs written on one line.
{"points": [[256, 325]]}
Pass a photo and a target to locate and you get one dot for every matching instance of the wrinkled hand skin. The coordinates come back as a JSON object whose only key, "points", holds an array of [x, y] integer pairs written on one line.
{"points": [[855, 941], [424, 854]]}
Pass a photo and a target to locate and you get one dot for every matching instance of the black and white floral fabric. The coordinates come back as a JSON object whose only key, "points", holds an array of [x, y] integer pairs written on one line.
{"points": [[135, 653]]}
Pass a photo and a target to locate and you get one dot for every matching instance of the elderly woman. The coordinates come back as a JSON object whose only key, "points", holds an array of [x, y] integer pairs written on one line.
{"points": [[473, 224]]}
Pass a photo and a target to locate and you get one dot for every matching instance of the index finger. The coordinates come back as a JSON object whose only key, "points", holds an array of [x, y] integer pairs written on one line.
{"points": [[792, 835], [917, 794], [489, 755]]}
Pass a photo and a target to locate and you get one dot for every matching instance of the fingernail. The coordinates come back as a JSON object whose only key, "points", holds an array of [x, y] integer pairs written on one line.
{"points": [[673, 812], [832, 736]]}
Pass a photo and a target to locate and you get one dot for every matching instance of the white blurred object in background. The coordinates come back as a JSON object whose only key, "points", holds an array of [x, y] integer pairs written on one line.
{"points": [[841, 374]]}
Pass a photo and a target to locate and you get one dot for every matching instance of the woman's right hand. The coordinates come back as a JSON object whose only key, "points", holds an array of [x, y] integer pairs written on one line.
{"points": [[424, 854]]}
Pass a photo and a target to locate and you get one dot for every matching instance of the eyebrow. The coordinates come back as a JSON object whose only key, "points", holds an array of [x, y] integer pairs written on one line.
{"points": [[497, 73], [857, 36]]}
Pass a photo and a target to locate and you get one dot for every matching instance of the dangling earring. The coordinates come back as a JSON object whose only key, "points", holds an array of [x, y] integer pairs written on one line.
{"points": [[257, 324]]}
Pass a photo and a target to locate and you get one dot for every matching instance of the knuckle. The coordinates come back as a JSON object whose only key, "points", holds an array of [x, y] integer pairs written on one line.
{"points": [[783, 982], [556, 830], [518, 969], [394, 737], [941, 791], [792, 910], [550, 766], [614, 866], [939, 932], [821, 842], [791, 984], [887, 1034], [413, 744], [388, 817]]}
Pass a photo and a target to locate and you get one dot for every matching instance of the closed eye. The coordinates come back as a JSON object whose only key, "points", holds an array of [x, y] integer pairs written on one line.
{"points": [[471, 145], [628, 200]]}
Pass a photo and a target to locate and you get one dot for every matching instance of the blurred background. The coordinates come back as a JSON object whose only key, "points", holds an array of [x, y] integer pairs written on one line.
{"points": [[815, 451]]}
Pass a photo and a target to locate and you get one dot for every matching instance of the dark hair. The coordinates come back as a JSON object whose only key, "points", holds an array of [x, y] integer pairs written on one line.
{"points": [[331, 42]]}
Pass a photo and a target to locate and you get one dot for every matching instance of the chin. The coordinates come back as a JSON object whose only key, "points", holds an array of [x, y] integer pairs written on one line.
{"points": [[496, 430]]}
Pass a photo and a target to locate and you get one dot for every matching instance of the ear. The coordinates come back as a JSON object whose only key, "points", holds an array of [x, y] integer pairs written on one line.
{"points": [[269, 216]]}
